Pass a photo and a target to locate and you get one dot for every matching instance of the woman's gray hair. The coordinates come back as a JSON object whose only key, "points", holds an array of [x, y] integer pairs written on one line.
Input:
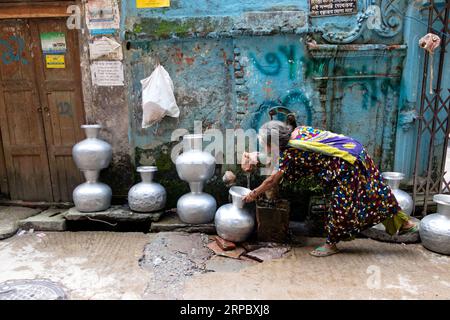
{"points": [[275, 129]]}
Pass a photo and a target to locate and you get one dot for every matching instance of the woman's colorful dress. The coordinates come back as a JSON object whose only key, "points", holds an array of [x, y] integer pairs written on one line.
{"points": [[360, 199]]}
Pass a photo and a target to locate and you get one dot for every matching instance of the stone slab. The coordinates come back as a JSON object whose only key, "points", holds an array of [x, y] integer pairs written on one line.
{"points": [[171, 222], [10, 217], [252, 246], [235, 253], [225, 244], [379, 233], [266, 254], [48, 220], [113, 214]]}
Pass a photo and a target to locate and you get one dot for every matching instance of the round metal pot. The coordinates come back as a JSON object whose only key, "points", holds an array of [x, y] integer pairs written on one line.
{"points": [[92, 153], [194, 165], [196, 208], [435, 228], [404, 200], [147, 196], [92, 195], [233, 221]]}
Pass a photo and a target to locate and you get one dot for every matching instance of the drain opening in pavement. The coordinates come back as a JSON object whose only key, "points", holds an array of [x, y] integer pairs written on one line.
{"points": [[34, 289]]}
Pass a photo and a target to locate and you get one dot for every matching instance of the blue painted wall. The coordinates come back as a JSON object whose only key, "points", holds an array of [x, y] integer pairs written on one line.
{"points": [[415, 27], [231, 61]]}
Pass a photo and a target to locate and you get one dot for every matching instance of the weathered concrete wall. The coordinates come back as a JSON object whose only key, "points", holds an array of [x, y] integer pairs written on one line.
{"points": [[108, 107], [416, 26], [232, 61]]}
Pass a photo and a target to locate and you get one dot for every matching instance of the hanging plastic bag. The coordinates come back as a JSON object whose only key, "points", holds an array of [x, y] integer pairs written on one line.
{"points": [[430, 42], [158, 99]]}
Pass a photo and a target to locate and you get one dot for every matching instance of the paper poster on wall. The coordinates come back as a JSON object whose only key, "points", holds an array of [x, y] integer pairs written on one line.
{"points": [[105, 48], [55, 61], [141, 4], [107, 73], [102, 16], [53, 42], [323, 8]]}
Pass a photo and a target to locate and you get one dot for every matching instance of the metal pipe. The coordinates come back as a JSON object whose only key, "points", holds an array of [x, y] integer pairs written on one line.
{"points": [[363, 76], [436, 109], [421, 117], [438, 91]]}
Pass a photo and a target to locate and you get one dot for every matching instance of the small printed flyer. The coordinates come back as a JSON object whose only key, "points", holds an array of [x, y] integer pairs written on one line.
{"points": [[143, 4], [105, 48], [107, 73], [102, 16], [53, 42], [55, 61]]}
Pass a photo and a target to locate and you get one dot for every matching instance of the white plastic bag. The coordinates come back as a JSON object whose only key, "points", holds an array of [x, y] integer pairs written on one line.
{"points": [[158, 99]]}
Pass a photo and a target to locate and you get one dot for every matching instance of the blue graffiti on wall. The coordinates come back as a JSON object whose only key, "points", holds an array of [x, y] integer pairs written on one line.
{"points": [[295, 101], [298, 97], [10, 55], [273, 63], [64, 108]]}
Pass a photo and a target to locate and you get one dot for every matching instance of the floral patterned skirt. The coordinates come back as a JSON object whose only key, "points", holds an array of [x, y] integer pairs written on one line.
{"points": [[360, 199]]}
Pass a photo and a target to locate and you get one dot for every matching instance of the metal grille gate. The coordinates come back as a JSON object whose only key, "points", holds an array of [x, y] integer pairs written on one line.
{"points": [[430, 176]]}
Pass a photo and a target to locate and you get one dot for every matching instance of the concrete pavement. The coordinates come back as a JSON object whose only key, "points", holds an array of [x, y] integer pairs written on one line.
{"points": [[108, 265]]}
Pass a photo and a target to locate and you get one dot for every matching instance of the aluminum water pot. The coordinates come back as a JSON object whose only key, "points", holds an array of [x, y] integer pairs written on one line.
{"points": [[234, 222], [196, 207], [147, 196], [196, 167], [92, 153], [404, 200], [435, 228], [92, 195]]}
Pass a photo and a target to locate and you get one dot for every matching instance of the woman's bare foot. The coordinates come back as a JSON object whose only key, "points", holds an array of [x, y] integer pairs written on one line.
{"points": [[325, 250], [408, 227]]}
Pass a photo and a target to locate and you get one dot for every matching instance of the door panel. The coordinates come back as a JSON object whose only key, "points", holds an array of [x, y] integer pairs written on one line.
{"points": [[40, 112], [60, 94], [22, 131]]}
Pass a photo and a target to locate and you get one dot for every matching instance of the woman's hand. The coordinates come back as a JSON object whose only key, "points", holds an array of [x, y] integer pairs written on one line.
{"points": [[270, 182], [249, 161], [250, 197]]}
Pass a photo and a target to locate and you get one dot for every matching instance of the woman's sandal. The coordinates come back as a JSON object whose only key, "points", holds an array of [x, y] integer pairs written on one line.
{"points": [[323, 252], [413, 229]]}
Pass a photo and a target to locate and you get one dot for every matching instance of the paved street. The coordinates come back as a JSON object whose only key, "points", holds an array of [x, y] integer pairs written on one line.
{"points": [[175, 265]]}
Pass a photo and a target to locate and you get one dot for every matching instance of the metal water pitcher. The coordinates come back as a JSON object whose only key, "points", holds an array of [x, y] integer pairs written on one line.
{"points": [[92, 195], [147, 196], [404, 200], [435, 228], [234, 222], [92, 153]]}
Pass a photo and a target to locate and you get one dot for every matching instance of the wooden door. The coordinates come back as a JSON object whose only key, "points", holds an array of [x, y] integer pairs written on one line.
{"points": [[41, 111], [61, 101], [22, 129]]}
